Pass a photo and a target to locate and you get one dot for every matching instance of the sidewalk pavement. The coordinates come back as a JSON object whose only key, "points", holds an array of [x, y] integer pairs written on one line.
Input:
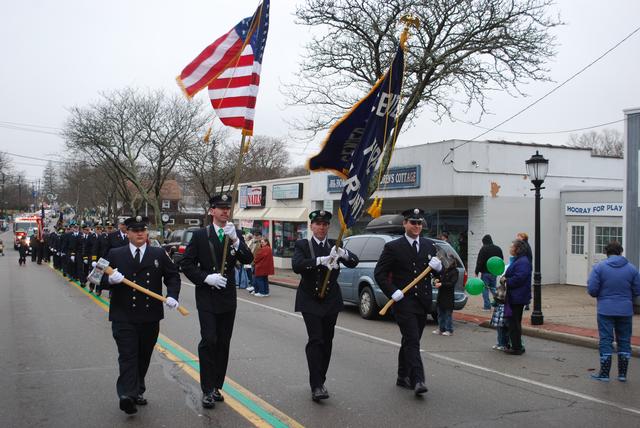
{"points": [[569, 313]]}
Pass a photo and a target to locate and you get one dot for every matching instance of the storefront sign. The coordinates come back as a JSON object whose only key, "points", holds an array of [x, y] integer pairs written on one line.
{"points": [[242, 197], [256, 196], [598, 209], [287, 191], [406, 177]]}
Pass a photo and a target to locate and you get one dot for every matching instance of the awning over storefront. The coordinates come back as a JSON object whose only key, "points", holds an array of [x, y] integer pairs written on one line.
{"points": [[282, 214], [288, 214], [252, 214]]}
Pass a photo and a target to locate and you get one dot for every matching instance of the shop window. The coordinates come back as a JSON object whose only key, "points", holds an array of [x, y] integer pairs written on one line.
{"points": [[605, 235], [285, 235], [577, 239]]}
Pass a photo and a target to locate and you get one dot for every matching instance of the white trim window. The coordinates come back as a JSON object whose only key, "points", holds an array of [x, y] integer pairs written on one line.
{"points": [[192, 221], [166, 203], [171, 221]]}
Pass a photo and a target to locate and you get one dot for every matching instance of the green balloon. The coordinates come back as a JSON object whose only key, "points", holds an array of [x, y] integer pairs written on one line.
{"points": [[474, 286], [495, 265]]}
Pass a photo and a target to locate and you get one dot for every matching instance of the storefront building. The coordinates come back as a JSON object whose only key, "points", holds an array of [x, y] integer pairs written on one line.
{"points": [[279, 209], [482, 188], [591, 219]]}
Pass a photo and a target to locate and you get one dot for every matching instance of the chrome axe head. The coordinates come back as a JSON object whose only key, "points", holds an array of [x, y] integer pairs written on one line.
{"points": [[95, 276]]}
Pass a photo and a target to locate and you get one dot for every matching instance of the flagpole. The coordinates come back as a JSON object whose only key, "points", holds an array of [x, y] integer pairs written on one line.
{"points": [[325, 282], [243, 147]]}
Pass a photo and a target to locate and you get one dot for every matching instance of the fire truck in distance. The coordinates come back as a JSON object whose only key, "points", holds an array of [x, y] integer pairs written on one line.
{"points": [[23, 226]]}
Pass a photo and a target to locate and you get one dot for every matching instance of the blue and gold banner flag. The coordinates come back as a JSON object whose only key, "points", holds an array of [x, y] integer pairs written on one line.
{"points": [[355, 144]]}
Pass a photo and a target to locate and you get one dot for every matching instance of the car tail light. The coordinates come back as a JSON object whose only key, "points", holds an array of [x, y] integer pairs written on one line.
{"points": [[182, 249], [464, 278]]}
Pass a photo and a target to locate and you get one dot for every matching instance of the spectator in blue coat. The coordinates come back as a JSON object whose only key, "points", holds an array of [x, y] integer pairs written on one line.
{"points": [[518, 280], [614, 282]]}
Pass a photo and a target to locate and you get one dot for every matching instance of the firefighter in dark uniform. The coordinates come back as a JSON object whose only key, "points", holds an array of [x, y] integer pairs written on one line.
{"points": [[63, 245], [401, 261], [52, 244], [72, 245], [311, 259], [135, 317], [99, 250], [83, 255], [215, 293], [119, 237]]}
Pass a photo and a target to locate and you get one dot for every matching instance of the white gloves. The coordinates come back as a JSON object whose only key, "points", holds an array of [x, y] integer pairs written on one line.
{"points": [[397, 295], [72, 258], [115, 277], [230, 230], [93, 264], [216, 280], [171, 303], [339, 253], [327, 261], [435, 264]]}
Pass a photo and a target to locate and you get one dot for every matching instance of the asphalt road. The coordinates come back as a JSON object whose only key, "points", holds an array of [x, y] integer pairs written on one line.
{"points": [[59, 365]]}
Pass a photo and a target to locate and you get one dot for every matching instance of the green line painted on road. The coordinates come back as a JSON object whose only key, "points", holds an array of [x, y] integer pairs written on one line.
{"points": [[254, 407], [246, 401]]}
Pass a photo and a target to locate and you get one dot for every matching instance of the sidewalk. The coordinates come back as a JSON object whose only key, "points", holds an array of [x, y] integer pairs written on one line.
{"points": [[569, 313]]}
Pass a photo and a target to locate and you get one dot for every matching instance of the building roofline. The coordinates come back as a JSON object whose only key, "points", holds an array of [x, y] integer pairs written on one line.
{"points": [[503, 142]]}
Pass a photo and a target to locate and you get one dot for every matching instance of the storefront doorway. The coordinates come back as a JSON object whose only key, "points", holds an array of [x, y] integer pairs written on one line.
{"points": [[577, 255]]}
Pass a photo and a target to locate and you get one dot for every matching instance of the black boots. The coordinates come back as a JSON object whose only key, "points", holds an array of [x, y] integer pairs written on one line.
{"points": [[623, 365], [605, 368]]}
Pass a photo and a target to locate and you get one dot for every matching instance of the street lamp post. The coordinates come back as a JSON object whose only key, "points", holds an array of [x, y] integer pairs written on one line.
{"points": [[537, 167]]}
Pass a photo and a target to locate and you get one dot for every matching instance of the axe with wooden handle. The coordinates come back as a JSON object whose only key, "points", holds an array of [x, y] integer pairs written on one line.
{"points": [[102, 267], [409, 286], [446, 263]]}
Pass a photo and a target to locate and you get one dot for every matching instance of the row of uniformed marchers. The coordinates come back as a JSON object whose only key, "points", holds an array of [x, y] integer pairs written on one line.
{"points": [[135, 317], [401, 261], [75, 249]]}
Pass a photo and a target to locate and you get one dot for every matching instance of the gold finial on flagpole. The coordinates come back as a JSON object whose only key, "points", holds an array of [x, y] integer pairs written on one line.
{"points": [[408, 21]]}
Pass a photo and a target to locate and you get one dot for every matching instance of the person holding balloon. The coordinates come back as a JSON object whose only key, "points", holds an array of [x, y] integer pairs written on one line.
{"points": [[488, 250], [517, 279]]}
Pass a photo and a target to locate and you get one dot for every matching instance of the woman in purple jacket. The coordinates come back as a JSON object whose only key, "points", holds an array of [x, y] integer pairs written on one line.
{"points": [[614, 282], [518, 280]]}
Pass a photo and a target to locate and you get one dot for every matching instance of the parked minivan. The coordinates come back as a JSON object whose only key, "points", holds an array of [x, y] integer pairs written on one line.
{"points": [[358, 285]]}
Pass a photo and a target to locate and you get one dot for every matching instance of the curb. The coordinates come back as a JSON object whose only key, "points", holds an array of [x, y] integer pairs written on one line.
{"points": [[556, 336]]}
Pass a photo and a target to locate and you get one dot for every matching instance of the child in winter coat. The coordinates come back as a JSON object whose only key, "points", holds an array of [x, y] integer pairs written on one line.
{"points": [[446, 287]]}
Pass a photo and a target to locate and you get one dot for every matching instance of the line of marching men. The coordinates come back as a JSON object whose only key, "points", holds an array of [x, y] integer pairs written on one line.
{"points": [[76, 248]]}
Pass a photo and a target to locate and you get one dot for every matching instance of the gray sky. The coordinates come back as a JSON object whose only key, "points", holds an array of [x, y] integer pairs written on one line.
{"points": [[60, 54]]}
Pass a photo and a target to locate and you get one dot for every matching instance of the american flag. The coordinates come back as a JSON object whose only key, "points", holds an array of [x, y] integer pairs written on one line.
{"points": [[230, 67]]}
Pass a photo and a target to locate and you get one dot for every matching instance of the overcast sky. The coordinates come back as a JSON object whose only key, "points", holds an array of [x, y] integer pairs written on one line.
{"points": [[58, 54]]}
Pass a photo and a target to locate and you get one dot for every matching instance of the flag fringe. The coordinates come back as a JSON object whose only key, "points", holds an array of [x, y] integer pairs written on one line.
{"points": [[183, 88]]}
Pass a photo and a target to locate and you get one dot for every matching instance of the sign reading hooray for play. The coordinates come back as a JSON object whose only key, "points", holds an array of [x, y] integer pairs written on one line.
{"points": [[598, 209]]}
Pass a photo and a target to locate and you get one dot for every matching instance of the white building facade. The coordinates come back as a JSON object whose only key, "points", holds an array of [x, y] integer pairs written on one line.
{"points": [[482, 188]]}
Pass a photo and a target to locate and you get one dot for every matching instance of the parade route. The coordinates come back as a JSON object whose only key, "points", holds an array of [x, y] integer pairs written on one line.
{"points": [[60, 363]]}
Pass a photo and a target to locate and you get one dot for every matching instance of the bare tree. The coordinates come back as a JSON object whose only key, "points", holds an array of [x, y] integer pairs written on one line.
{"points": [[49, 180], [267, 158], [462, 50], [609, 142], [139, 137]]}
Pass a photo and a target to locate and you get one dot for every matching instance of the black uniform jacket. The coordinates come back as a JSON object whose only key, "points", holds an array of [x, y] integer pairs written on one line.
{"points": [[198, 262], [398, 266], [130, 305], [312, 277], [115, 240], [100, 247]]}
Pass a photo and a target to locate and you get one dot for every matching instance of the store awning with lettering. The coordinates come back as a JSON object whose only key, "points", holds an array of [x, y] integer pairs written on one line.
{"points": [[282, 214]]}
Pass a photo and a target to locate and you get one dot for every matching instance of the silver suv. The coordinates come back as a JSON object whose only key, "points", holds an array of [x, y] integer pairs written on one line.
{"points": [[358, 285]]}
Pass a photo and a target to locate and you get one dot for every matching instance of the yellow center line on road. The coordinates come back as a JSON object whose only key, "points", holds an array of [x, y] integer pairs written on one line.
{"points": [[248, 405]]}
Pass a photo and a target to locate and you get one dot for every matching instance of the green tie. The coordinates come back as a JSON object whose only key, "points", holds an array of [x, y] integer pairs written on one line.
{"points": [[221, 234]]}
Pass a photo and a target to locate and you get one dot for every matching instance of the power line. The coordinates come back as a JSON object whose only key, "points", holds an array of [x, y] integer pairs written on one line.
{"points": [[29, 125], [37, 131], [31, 157], [543, 132], [545, 95]]}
